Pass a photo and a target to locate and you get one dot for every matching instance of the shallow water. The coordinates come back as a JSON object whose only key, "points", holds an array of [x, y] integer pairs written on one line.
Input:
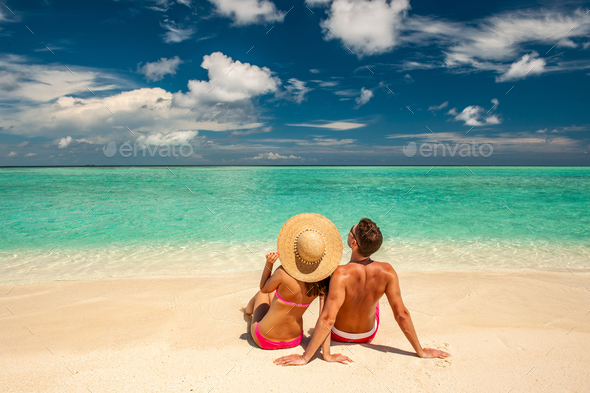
{"points": [[71, 223]]}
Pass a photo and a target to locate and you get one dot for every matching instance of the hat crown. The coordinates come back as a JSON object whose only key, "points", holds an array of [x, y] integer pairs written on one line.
{"points": [[310, 245]]}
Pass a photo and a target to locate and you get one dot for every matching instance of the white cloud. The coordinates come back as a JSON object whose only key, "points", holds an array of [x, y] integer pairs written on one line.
{"points": [[40, 83], [63, 106], [365, 96], [491, 42], [327, 142], [164, 5], [158, 69], [9, 81], [175, 34], [326, 83], [438, 107], [253, 131], [172, 138], [513, 142], [30, 155], [314, 71], [229, 82], [366, 27], [529, 64], [317, 3], [64, 142], [274, 156], [408, 78], [474, 115], [296, 90], [336, 125], [246, 12], [12, 154]]}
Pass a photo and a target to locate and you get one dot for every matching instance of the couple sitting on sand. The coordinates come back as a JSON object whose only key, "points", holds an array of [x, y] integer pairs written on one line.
{"points": [[310, 249]]}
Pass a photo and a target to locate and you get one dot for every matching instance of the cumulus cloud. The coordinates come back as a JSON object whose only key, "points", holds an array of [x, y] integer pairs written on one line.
{"points": [[274, 156], [365, 96], [64, 142], [529, 64], [438, 107], [247, 12], [30, 155], [175, 33], [55, 103], [474, 115], [158, 69], [229, 82], [335, 125], [492, 43], [366, 27], [12, 154]]}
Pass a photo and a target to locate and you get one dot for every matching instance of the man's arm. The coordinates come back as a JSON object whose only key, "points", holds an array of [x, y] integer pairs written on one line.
{"points": [[335, 298], [329, 357], [404, 320]]}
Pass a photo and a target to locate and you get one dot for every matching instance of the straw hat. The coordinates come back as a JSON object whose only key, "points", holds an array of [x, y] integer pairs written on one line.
{"points": [[310, 247]]}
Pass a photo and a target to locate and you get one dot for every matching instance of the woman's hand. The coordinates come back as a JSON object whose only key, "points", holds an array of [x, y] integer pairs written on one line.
{"points": [[433, 353], [336, 357], [291, 360], [272, 257]]}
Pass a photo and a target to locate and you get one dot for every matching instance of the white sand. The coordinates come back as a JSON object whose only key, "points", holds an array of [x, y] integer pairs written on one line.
{"points": [[503, 329]]}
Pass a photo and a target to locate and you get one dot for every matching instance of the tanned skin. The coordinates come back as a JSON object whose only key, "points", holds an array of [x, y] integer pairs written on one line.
{"points": [[355, 290], [278, 321]]}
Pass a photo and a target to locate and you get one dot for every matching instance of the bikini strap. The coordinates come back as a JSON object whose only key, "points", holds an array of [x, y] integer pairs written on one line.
{"points": [[290, 303]]}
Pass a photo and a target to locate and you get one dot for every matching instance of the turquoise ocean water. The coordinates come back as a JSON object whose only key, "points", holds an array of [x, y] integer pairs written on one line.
{"points": [[79, 223]]}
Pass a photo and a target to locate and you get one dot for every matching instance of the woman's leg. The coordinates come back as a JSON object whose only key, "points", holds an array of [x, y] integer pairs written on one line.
{"points": [[252, 304], [260, 305]]}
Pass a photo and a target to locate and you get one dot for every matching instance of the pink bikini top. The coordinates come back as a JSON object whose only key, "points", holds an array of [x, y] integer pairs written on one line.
{"points": [[290, 303]]}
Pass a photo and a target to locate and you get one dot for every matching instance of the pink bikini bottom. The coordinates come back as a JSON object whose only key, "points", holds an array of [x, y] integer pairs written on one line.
{"points": [[267, 344]]}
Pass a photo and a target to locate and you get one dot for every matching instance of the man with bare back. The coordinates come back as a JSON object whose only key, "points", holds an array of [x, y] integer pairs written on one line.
{"points": [[351, 312]]}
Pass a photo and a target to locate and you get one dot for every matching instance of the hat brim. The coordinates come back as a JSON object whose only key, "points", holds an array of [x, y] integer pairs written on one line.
{"points": [[286, 242]]}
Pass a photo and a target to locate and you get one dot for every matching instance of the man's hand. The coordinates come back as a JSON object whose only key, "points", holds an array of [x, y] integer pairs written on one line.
{"points": [[434, 353], [291, 360], [336, 357]]}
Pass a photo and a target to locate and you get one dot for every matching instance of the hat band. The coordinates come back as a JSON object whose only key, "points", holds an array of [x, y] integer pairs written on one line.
{"points": [[297, 253]]}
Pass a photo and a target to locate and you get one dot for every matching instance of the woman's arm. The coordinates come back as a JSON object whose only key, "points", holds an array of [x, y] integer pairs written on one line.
{"points": [[270, 260]]}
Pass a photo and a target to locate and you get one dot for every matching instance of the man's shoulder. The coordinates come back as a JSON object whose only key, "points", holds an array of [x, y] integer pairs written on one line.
{"points": [[352, 269], [383, 266]]}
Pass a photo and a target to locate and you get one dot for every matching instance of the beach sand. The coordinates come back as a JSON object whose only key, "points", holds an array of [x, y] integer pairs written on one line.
{"points": [[504, 330]]}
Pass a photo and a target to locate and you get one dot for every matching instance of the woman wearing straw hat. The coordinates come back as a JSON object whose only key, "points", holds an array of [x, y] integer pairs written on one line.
{"points": [[310, 249]]}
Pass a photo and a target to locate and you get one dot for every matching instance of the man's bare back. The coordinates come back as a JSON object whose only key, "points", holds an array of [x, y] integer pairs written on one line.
{"points": [[365, 283]]}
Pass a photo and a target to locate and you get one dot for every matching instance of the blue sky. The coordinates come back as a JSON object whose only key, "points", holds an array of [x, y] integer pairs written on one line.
{"points": [[259, 82]]}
